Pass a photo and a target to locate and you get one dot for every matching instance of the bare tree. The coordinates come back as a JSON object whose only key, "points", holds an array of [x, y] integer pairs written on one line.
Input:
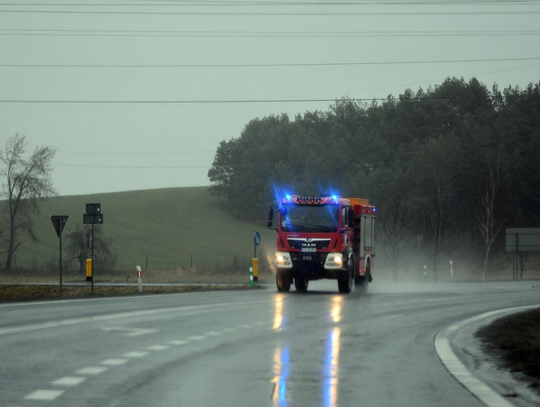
{"points": [[77, 253], [489, 224], [26, 183]]}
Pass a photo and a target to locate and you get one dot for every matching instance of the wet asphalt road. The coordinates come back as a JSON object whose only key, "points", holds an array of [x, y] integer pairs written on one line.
{"points": [[237, 348]]}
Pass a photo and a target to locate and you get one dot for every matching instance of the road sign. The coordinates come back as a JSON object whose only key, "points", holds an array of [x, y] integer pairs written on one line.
{"points": [[59, 222], [89, 219], [257, 239], [93, 208], [522, 239]]}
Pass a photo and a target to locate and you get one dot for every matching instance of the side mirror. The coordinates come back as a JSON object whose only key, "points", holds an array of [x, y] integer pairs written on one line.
{"points": [[270, 217]]}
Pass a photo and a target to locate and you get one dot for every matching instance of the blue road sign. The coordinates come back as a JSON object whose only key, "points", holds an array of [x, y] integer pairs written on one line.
{"points": [[256, 238]]}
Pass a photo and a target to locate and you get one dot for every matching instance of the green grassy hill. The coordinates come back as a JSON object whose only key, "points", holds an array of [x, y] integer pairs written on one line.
{"points": [[173, 227]]}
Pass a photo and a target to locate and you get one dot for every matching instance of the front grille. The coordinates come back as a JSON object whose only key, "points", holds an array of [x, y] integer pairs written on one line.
{"points": [[301, 243]]}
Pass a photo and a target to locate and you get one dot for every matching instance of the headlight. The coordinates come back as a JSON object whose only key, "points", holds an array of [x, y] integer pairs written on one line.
{"points": [[334, 261], [283, 260]]}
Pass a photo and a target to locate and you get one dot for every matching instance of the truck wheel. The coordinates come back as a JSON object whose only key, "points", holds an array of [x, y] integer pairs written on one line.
{"points": [[361, 283], [345, 285], [301, 284], [283, 281]]}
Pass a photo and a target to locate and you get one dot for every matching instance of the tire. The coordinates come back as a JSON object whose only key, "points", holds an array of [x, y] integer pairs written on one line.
{"points": [[361, 283], [301, 284], [283, 281], [345, 285]]}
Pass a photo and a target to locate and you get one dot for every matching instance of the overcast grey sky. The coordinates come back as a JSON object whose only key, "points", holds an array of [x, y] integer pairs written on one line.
{"points": [[193, 73]]}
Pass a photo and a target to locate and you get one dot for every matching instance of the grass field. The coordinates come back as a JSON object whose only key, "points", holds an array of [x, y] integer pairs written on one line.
{"points": [[175, 228]]}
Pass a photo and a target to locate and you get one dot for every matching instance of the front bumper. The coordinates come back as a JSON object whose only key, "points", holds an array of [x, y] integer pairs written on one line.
{"points": [[313, 266]]}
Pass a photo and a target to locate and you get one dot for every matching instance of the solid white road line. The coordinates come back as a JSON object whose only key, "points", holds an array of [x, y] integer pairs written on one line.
{"points": [[457, 369], [69, 381], [110, 317], [131, 332], [44, 395], [92, 370]]}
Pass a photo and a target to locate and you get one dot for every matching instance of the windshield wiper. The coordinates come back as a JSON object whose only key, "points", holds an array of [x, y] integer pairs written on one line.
{"points": [[323, 227]]}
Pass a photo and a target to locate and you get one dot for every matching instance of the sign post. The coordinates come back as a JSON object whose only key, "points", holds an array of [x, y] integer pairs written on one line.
{"points": [[255, 260], [93, 216], [59, 221]]}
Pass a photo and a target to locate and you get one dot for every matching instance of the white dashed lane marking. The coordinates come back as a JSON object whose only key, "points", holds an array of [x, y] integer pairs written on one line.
{"points": [[46, 395], [114, 362], [49, 395], [178, 342], [69, 381], [135, 354], [157, 347], [91, 370]]}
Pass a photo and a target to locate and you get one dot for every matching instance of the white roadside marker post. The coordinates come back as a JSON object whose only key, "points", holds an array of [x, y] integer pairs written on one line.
{"points": [[139, 278]]}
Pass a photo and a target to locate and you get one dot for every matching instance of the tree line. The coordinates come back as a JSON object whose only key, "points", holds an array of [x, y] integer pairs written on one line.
{"points": [[449, 168]]}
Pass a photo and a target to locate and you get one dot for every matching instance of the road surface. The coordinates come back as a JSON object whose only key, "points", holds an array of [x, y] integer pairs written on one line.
{"points": [[238, 348]]}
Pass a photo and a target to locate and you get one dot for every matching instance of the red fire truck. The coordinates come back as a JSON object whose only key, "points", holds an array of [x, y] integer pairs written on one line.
{"points": [[324, 237]]}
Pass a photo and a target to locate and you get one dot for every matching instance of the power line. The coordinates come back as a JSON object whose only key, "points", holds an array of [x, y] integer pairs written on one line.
{"points": [[272, 3], [274, 14], [186, 102], [164, 102], [276, 65], [146, 153], [137, 167], [22, 32]]}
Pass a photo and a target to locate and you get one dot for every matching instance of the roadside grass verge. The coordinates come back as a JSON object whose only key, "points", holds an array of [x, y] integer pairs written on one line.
{"points": [[515, 340], [16, 293]]}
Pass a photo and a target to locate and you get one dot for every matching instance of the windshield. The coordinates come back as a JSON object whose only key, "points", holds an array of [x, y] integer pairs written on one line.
{"points": [[298, 218]]}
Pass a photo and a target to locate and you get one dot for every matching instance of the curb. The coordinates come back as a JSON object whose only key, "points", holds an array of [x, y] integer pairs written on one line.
{"points": [[457, 369]]}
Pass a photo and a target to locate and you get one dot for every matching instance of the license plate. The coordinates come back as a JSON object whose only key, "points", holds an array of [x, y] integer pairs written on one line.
{"points": [[308, 258], [309, 249]]}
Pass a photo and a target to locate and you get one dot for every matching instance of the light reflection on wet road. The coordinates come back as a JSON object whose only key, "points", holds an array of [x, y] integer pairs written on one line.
{"points": [[330, 369]]}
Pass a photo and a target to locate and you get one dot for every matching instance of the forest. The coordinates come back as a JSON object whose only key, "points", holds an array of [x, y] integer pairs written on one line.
{"points": [[449, 168]]}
